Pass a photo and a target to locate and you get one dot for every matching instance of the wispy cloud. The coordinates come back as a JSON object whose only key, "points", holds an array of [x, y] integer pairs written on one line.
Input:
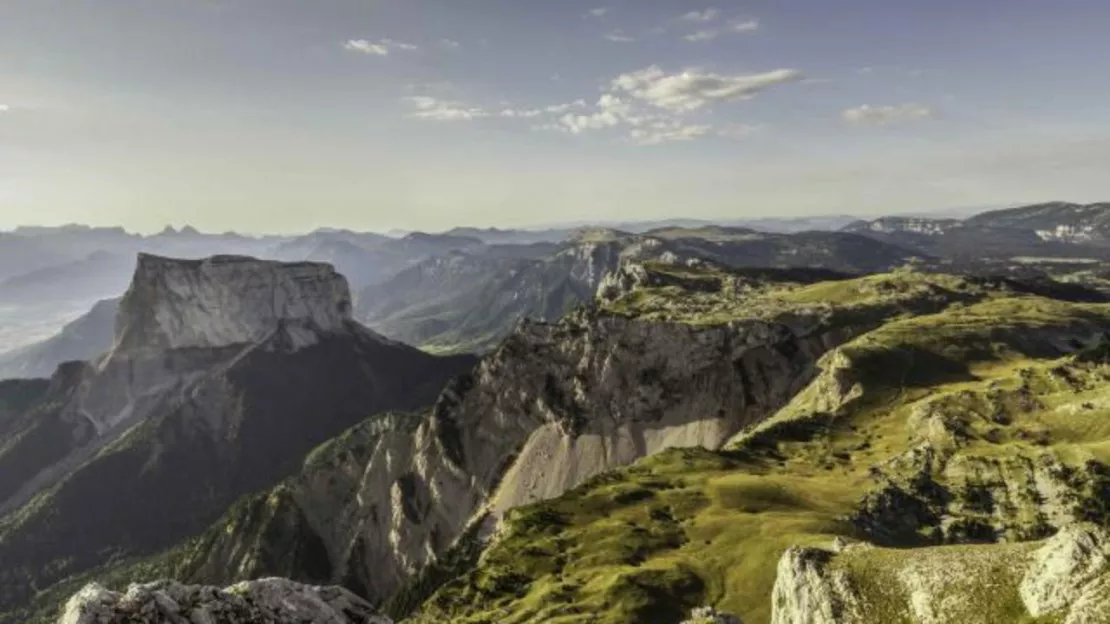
{"points": [[868, 115], [702, 35], [708, 15], [694, 89], [366, 47], [450, 43], [618, 36], [434, 109], [381, 47], [745, 26], [554, 109], [709, 34], [645, 107], [598, 12], [668, 131]]}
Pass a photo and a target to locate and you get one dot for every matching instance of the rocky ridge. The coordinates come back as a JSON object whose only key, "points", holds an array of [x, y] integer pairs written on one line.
{"points": [[942, 446], [1065, 577], [254, 602]]}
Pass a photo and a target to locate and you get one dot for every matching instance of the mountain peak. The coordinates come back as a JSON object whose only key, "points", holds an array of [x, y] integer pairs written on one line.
{"points": [[228, 300]]}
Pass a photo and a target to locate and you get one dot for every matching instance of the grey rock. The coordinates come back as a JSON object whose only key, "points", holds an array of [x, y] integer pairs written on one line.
{"points": [[709, 615], [807, 591], [1069, 574], [266, 601], [227, 300]]}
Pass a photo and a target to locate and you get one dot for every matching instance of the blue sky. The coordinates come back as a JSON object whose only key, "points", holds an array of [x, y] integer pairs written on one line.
{"points": [[285, 115]]}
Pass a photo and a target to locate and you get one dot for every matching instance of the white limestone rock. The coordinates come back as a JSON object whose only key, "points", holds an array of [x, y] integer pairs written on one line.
{"points": [[1070, 573], [709, 615], [227, 300], [266, 601], [806, 591]]}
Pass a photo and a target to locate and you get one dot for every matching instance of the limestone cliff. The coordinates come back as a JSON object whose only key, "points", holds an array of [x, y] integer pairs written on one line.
{"points": [[228, 300]]}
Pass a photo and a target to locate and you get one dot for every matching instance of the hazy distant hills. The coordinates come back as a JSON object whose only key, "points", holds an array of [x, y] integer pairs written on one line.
{"points": [[1045, 230], [83, 339], [464, 289]]}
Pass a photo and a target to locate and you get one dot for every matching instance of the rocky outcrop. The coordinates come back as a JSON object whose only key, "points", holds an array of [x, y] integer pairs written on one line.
{"points": [[228, 300], [1070, 574], [255, 602], [709, 615], [808, 591], [1065, 578]]}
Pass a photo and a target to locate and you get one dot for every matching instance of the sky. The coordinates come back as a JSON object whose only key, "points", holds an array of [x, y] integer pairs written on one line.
{"points": [[287, 115]]}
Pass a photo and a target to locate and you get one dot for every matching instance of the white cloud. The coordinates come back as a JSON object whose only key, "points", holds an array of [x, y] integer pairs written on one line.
{"points": [[709, 34], [450, 43], [4, 108], [867, 115], [400, 45], [553, 109], [434, 109], [702, 35], [528, 113], [556, 109], [746, 26], [366, 47], [707, 15], [694, 89], [619, 37], [598, 12], [378, 48]]}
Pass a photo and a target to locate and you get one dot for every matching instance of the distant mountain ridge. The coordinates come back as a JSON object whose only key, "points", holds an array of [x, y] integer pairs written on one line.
{"points": [[1057, 229]]}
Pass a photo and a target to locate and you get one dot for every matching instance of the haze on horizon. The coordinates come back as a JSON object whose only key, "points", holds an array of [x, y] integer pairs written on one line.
{"points": [[283, 116]]}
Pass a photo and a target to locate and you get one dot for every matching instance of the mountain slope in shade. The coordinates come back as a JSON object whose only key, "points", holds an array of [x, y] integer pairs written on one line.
{"points": [[222, 374]]}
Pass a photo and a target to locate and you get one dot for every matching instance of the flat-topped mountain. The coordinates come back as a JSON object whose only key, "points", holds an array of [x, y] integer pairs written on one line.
{"points": [[228, 300], [222, 375]]}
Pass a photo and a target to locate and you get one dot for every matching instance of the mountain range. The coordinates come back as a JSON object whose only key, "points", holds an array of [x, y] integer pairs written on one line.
{"points": [[900, 421]]}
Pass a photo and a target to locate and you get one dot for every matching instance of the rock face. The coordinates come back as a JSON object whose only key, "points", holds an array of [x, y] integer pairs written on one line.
{"points": [[228, 300], [808, 592], [256, 602], [223, 374], [1070, 574]]}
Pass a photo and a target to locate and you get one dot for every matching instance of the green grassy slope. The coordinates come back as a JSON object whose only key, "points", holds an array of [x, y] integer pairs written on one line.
{"points": [[980, 379]]}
